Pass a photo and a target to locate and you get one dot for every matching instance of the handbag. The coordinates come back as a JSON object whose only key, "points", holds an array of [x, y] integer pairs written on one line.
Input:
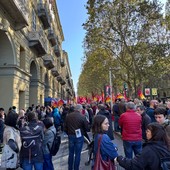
{"points": [[100, 164]]}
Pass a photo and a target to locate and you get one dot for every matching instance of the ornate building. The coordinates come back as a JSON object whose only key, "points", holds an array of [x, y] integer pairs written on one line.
{"points": [[32, 63]]}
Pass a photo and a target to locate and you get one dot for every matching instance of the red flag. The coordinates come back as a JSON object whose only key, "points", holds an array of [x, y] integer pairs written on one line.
{"points": [[60, 103]]}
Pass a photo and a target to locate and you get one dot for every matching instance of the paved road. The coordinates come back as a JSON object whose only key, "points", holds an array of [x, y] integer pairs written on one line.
{"points": [[60, 160]]}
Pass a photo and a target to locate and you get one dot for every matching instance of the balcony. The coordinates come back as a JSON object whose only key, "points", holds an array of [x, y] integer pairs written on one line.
{"points": [[16, 11], [69, 82], [62, 82], [48, 61], [67, 76], [62, 62], [38, 42], [54, 72], [52, 37], [59, 79], [43, 15], [57, 51]]}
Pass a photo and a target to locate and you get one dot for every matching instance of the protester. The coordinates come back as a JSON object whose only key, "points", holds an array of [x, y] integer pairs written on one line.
{"points": [[161, 117], [75, 126], [130, 123], [50, 131], [107, 149], [21, 119], [57, 118], [103, 111], [150, 111], [145, 120], [31, 154], [148, 159], [12, 142]]}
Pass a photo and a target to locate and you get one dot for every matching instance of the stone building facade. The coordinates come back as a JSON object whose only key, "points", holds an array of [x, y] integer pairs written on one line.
{"points": [[32, 63]]}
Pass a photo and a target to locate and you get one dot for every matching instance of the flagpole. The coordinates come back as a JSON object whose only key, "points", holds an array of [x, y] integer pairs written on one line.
{"points": [[111, 100]]}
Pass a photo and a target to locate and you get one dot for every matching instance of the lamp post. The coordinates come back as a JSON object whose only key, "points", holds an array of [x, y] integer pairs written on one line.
{"points": [[111, 100]]}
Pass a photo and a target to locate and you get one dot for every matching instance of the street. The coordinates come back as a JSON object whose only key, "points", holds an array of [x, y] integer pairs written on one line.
{"points": [[60, 160]]}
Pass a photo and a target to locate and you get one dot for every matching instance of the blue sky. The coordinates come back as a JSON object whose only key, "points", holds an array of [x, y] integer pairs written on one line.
{"points": [[72, 15]]}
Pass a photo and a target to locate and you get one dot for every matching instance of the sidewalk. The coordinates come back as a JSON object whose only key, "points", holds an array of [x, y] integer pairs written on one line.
{"points": [[61, 159]]}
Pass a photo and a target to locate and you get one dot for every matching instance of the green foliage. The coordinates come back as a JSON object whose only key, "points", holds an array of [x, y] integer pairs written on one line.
{"points": [[130, 35]]}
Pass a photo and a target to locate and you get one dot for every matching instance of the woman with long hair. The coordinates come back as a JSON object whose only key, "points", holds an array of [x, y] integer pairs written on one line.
{"points": [[108, 150], [149, 159]]}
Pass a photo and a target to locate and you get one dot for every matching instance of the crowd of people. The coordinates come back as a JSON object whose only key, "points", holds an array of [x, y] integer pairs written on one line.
{"points": [[144, 127]]}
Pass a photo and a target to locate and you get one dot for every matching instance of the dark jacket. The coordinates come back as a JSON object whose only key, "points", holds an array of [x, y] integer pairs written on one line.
{"points": [[75, 120], [109, 117], [39, 130], [148, 160], [145, 121], [150, 113], [2, 126]]}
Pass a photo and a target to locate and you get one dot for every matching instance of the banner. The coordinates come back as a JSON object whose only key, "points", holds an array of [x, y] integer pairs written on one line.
{"points": [[147, 92], [154, 92]]}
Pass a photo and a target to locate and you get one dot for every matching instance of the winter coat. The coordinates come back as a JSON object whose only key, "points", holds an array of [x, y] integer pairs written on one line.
{"points": [[130, 122], [48, 139], [57, 117], [39, 157], [145, 121], [109, 117], [150, 113], [75, 120], [148, 160]]}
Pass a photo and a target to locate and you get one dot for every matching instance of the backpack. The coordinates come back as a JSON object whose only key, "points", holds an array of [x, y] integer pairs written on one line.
{"points": [[55, 145], [31, 138], [164, 161]]}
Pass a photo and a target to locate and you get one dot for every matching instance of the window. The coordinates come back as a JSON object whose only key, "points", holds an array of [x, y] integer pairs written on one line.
{"points": [[33, 20], [22, 58]]}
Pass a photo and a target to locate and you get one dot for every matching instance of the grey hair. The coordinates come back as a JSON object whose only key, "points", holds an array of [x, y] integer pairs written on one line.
{"points": [[78, 107], [130, 105]]}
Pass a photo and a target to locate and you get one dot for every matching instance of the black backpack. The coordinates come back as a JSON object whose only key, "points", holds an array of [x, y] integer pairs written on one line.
{"points": [[31, 138], [164, 161], [55, 145]]}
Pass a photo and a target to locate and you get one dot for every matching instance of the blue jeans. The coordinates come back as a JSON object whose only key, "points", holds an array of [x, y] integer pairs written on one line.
{"points": [[26, 165], [75, 147], [132, 146], [48, 164]]}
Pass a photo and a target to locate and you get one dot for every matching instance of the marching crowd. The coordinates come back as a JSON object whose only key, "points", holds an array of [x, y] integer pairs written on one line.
{"points": [[27, 136]]}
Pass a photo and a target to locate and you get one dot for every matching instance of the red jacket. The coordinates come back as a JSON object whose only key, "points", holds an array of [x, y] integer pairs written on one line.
{"points": [[130, 122]]}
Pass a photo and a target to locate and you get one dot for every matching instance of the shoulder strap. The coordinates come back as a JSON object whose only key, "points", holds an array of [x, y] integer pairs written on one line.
{"points": [[99, 142], [52, 132]]}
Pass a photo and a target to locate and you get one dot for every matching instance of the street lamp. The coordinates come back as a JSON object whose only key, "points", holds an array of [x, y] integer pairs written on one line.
{"points": [[110, 78]]}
